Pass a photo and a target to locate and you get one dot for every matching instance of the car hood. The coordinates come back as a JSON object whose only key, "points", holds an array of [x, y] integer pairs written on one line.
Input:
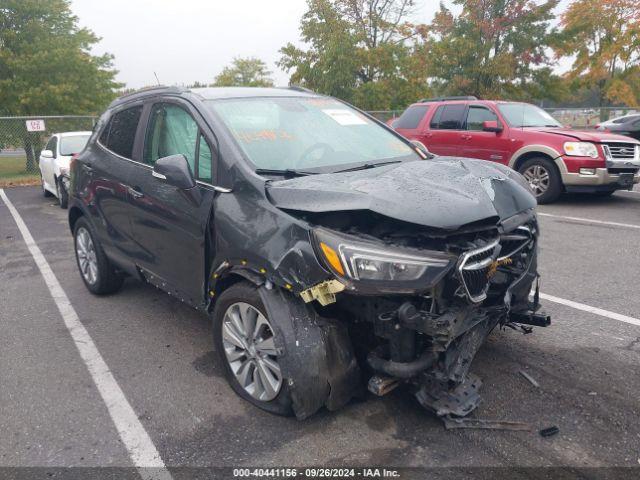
{"points": [[585, 136], [444, 193]]}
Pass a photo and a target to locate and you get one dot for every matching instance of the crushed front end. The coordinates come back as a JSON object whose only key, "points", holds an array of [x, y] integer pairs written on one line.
{"points": [[420, 302]]}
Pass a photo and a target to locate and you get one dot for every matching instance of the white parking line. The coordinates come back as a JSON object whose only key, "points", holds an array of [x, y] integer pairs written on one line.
{"points": [[588, 220], [142, 451], [590, 309]]}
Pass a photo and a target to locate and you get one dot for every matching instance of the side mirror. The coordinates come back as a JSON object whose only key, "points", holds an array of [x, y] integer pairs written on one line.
{"points": [[174, 170], [46, 154], [491, 126]]}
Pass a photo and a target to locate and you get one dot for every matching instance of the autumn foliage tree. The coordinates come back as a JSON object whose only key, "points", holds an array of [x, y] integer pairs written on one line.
{"points": [[603, 36], [244, 72], [46, 64], [364, 51], [493, 48]]}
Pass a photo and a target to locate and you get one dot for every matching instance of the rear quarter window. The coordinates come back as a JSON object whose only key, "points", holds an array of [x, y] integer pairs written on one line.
{"points": [[411, 117], [120, 133]]}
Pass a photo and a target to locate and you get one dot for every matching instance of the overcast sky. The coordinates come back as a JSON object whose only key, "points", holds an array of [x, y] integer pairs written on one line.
{"points": [[187, 40]]}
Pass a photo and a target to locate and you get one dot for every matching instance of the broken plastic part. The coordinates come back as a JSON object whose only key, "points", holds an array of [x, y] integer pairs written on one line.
{"points": [[549, 432], [452, 423], [323, 292], [532, 380], [459, 401], [381, 385], [317, 356]]}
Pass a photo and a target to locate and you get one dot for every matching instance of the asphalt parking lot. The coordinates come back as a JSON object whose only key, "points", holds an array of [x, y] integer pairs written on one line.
{"points": [[160, 354]]}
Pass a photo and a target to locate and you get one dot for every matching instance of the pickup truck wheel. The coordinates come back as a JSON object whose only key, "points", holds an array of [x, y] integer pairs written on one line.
{"points": [[63, 195], [543, 178], [244, 339], [97, 273]]}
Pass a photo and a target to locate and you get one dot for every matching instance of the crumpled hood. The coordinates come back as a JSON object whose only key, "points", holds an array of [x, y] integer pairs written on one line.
{"points": [[444, 193], [595, 136]]}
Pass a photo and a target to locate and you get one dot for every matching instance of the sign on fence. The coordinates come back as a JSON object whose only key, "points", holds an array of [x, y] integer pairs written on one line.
{"points": [[35, 126]]}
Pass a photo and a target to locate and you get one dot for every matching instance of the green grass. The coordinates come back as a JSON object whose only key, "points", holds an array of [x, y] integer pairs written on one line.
{"points": [[12, 171]]}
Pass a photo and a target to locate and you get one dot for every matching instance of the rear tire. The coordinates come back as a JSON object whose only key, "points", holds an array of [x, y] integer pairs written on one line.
{"points": [[96, 271], [63, 195], [238, 338], [543, 178]]}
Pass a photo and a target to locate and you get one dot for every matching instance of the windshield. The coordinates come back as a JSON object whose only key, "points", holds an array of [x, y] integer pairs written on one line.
{"points": [[288, 133], [524, 115], [73, 144]]}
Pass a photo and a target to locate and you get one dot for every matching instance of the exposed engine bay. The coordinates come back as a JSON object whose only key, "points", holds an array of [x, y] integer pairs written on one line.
{"points": [[429, 339]]}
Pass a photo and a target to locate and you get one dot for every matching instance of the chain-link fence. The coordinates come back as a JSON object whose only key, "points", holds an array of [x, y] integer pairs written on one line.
{"points": [[23, 138]]}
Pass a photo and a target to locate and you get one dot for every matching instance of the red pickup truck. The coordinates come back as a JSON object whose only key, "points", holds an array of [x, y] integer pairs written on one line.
{"points": [[552, 158]]}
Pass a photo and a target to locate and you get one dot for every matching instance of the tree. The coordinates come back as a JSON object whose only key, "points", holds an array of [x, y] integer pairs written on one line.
{"points": [[245, 72], [604, 37], [363, 51], [493, 49], [46, 65]]}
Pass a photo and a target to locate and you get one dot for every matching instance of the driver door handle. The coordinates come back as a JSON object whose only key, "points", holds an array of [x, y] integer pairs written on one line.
{"points": [[135, 193]]}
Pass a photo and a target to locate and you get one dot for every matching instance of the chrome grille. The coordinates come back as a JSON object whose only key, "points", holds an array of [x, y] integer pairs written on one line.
{"points": [[622, 151], [474, 267], [515, 241]]}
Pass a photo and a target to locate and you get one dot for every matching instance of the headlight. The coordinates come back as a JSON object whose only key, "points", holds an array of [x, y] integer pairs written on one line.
{"points": [[581, 149], [361, 260]]}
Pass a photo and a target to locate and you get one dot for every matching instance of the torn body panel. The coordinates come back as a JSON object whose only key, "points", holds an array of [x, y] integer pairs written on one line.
{"points": [[317, 357]]}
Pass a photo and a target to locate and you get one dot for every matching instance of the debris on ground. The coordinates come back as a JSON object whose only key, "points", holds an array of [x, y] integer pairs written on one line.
{"points": [[532, 380], [451, 423], [549, 432]]}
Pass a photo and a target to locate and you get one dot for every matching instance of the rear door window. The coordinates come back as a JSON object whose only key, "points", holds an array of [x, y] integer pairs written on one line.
{"points": [[477, 115], [449, 117], [120, 133], [411, 117]]}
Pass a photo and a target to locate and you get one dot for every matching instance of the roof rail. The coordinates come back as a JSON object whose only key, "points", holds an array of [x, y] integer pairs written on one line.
{"points": [[444, 99], [298, 88], [142, 91]]}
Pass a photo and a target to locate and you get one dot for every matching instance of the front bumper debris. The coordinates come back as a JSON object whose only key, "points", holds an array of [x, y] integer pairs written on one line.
{"points": [[603, 179]]}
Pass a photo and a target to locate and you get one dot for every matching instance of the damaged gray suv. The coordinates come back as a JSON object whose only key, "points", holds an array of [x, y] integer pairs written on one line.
{"points": [[331, 253]]}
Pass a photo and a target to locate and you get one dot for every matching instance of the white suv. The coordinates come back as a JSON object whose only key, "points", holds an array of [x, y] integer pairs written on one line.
{"points": [[54, 163]]}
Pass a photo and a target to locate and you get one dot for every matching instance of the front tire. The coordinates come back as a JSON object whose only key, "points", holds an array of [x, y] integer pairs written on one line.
{"points": [[96, 271], [244, 340], [543, 178]]}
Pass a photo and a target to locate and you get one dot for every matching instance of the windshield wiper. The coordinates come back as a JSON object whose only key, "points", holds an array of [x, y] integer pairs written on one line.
{"points": [[365, 166], [287, 172]]}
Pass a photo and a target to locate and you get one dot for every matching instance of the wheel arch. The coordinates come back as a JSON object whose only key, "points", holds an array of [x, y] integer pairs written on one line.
{"points": [[219, 284], [74, 214]]}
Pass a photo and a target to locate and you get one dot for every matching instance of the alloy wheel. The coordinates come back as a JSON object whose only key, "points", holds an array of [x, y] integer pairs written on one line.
{"points": [[87, 259], [247, 339], [538, 178]]}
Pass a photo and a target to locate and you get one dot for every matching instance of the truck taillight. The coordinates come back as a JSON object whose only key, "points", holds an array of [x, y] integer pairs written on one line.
{"points": [[74, 157]]}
